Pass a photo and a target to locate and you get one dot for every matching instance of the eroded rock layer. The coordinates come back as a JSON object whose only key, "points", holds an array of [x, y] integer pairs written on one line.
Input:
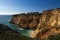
{"points": [[49, 24], [45, 23], [29, 20]]}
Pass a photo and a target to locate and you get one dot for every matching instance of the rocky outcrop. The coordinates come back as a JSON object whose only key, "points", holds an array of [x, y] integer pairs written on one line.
{"points": [[49, 24], [29, 20], [45, 23]]}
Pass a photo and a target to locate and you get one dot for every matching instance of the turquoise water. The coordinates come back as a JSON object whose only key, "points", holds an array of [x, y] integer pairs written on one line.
{"points": [[25, 32], [4, 20]]}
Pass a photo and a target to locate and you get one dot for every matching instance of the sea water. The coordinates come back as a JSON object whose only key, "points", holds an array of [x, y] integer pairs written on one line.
{"points": [[4, 19]]}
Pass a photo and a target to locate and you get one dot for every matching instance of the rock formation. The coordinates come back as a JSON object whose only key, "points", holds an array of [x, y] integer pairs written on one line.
{"points": [[49, 24], [29, 20], [45, 23]]}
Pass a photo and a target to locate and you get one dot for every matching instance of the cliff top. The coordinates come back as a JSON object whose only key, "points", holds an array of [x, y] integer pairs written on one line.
{"points": [[36, 13]]}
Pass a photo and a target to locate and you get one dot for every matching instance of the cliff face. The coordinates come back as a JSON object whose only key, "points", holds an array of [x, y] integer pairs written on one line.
{"points": [[29, 20], [49, 24], [50, 18], [45, 23]]}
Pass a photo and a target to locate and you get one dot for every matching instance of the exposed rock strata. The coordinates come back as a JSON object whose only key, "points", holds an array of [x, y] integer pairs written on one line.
{"points": [[49, 21], [45, 24], [29, 20]]}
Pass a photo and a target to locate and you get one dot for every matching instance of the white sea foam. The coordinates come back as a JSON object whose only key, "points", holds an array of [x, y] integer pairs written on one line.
{"points": [[20, 29]]}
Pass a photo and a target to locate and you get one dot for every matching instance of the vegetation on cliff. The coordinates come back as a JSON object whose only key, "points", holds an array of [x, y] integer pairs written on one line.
{"points": [[54, 37]]}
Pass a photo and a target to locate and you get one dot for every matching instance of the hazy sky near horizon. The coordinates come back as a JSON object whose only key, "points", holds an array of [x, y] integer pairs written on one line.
{"points": [[20, 6]]}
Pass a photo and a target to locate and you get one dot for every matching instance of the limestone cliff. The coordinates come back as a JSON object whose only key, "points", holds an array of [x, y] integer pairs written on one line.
{"points": [[49, 24], [45, 23], [29, 20]]}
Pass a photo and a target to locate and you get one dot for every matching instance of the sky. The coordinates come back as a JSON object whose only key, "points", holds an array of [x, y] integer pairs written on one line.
{"points": [[10, 7]]}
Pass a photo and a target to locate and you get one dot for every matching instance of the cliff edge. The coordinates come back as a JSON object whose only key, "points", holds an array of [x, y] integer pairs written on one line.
{"points": [[26, 21], [43, 24]]}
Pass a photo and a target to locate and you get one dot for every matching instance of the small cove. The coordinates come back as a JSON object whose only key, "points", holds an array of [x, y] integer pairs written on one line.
{"points": [[4, 19]]}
